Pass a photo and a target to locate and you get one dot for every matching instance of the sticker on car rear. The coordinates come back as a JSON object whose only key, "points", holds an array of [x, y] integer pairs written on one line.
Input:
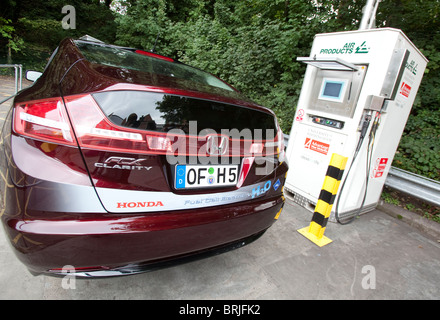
{"points": [[122, 201]]}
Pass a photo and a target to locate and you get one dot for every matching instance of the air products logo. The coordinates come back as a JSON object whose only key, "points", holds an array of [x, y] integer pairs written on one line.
{"points": [[348, 48], [412, 67], [362, 48]]}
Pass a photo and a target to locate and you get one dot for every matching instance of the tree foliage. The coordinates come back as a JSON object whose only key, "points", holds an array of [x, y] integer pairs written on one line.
{"points": [[37, 27]]}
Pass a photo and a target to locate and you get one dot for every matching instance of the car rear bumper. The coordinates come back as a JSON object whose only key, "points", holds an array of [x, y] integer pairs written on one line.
{"points": [[103, 244]]}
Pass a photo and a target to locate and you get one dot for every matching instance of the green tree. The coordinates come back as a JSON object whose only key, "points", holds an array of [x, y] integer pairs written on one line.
{"points": [[142, 23], [37, 26], [419, 149], [14, 42]]}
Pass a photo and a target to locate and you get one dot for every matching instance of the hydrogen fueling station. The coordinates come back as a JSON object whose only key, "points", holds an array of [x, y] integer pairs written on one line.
{"points": [[357, 94]]}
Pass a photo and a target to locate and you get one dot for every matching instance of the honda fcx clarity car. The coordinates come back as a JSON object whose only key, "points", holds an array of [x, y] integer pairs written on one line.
{"points": [[117, 161]]}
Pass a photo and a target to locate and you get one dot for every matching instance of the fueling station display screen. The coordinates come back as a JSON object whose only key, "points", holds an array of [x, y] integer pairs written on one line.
{"points": [[333, 90]]}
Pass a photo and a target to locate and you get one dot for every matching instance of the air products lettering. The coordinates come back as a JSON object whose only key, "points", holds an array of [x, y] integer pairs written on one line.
{"points": [[132, 205], [348, 48]]}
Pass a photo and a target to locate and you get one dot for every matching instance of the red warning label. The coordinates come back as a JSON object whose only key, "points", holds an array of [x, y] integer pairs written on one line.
{"points": [[317, 146], [300, 115], [405, 89], [379, 167]]}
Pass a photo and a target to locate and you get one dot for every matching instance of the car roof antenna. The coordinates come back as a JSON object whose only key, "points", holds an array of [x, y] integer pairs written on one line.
{"points": [[155, 42]]}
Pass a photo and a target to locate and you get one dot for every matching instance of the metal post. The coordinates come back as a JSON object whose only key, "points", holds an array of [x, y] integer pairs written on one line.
{"points": [[18, 74], [369, 15], [315, 232], [18, 78], [21, 77]]}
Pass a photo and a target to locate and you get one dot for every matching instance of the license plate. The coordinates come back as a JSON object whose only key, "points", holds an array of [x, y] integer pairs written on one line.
{"points": [[201, 176]]}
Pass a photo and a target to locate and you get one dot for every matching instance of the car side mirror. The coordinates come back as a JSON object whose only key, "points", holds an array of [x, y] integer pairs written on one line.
{"points": [[33, 75]]}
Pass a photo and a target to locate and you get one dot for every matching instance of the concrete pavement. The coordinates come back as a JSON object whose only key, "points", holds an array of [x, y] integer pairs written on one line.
{"points": [[375, 257]]}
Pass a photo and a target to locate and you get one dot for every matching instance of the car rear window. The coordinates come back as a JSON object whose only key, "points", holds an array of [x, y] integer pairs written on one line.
{"points": [[123, 58], [163, 112]]}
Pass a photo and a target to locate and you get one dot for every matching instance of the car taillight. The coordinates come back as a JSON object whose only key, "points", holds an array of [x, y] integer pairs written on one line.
{"points": [[159, 143], [47, 120], [44, 120], [276, 146], [245, 168], [94, 131]]}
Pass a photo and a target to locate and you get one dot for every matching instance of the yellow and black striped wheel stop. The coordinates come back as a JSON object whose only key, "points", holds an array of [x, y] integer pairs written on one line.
{"points": [[315, 231]]}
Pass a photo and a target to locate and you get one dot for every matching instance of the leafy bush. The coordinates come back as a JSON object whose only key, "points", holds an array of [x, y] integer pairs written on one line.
{"points": [[419, 149]]}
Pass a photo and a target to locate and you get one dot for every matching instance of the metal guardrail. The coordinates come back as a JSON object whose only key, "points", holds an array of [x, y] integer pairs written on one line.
{"points": [[409, 183], [415, 185], [18, 78]]}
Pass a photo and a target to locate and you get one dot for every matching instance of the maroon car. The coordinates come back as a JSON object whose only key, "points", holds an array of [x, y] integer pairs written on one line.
{"points": [[118, 161]]}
